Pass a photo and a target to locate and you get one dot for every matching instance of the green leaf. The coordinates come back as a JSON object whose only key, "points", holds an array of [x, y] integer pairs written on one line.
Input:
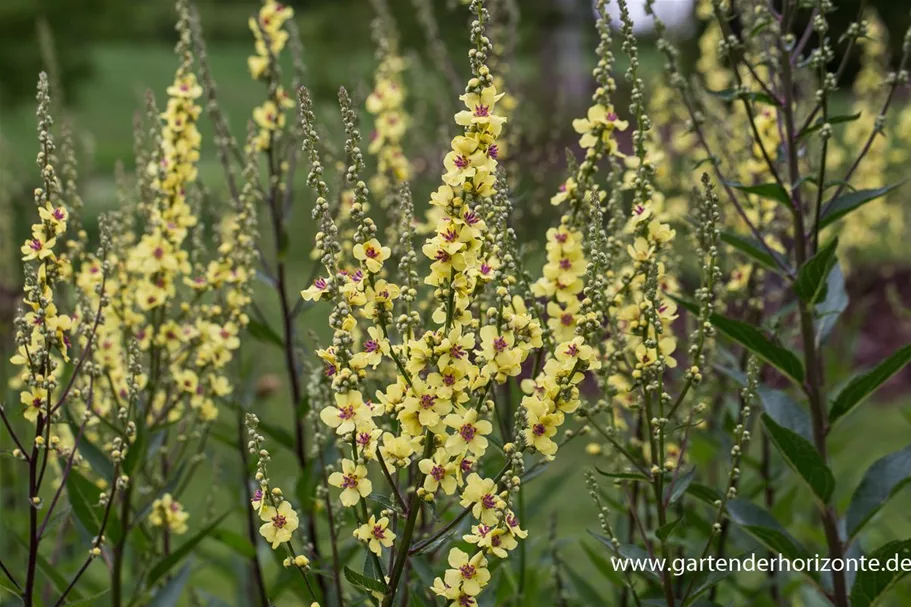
{"points": [[802, 457], [677, 487], [588, 594], [364, 582], [865, 384], [763, 527], [844, 204], [755, 341], [170, 593], [752, 249], [811, 277], [732, 94], [164, 565], [603, 566], [96, 458], [772, 191], [665, 531], [785, 412], [832, 120], [135, 452], [385, 502], [235, 542], [870, 586], [704, 493], [261, 331], [83, 495], [626, 476], [881, 481], [832, 306], [58, 581]]}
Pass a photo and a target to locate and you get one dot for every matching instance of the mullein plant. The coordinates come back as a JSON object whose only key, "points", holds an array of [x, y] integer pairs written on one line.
{"points": [[786, 176], [55, 410], [123, 422], [417, 408]]}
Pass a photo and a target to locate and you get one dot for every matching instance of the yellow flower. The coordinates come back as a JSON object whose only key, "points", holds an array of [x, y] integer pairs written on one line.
{"points": [[566, 190], [440, 473], [481, 495], [376, 534], [372, 253], [468, 574], [35, 401], [469, 435], [315, 292], [599, 118], [396, 450], [541, 429], [353, 482], [167, 512], [350, 414], [481, 110], [280, 523], [496, 541], [39, 246]]}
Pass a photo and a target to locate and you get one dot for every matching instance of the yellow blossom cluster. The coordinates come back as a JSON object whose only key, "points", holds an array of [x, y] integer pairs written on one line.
{"points": [[270, 37], [387, 104], [169, 513], [43, 332]]}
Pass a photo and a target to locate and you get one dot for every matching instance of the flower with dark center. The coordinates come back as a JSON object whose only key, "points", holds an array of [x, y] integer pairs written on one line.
{"points": [[572, 350], [481, 111], [467, 432], [378, 532], [499, 344], [489, 501], [428, 401], [461, 162], [467, 571], [438, 472], [566, 319], [279, 521], [349, 481], [538, 429], [371, 346]]}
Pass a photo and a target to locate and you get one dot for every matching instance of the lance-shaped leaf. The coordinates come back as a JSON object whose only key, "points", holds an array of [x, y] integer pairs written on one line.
{"points": [[763, 527], [802, 457], [754, 250], [363, 581], [832, 120], [832, 305], [772, 191], [83, 495], [261, 331], [755, 341], [811, 277], [164, 565], [871, 586], [865, 384], [170, 594], [881, 481], [841, 206]]}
